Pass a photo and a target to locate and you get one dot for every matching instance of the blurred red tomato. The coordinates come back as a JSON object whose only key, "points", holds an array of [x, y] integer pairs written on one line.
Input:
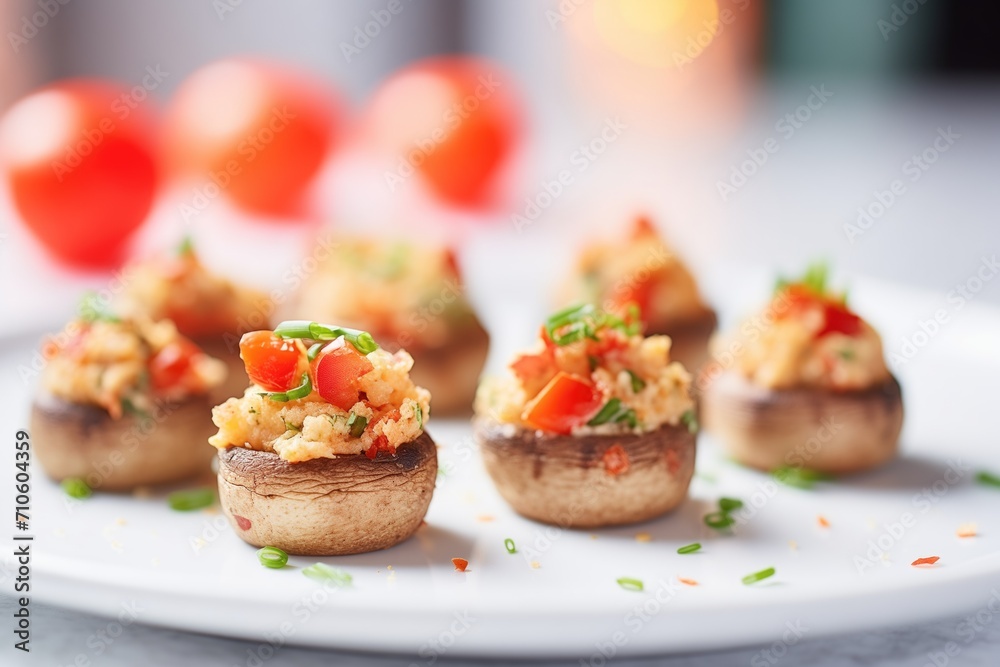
{"points": [[258, 130], [453, 119], [79, 159]]}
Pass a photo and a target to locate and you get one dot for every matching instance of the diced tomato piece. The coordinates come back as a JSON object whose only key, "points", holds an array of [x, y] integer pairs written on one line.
{"points": [[336, 371], [566, 402], [642, 227], [381, 444], [528, 367], [839, 320], [271, 361], [640, 293], [461, 564], [171, 366]]}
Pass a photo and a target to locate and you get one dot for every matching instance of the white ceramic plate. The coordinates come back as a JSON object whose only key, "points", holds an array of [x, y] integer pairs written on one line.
{"points": [[558, 596]]}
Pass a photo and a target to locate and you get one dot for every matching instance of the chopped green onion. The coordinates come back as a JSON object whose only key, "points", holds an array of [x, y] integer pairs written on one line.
{"points": [[509, 546], [690, 420], [295, 394], [987, 478], [193, 499], [800, 478], [92, 310], [272, 557], [129, 408], [578, 322], [291, 426], [593, 361], [627, 416], [361, 340], [845, 354], [638, 384], [727, 505], [420, 415], [630, 584], [186, 246], [690, 548], [314, 351], [74, 487], [605, 414], [719, 520], [323, 572], [758, 576], [357, 424]]}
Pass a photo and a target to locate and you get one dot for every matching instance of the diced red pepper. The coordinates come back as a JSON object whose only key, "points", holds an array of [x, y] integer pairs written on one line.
{"points": [[271, 361], [336, 371], [566, 402], [460, 564], [837, 318]]}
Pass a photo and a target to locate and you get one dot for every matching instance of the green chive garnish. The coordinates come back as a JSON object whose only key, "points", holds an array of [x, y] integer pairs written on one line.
{"points": [[630, 584], [272, 557], [186, 246], [593, 361], [420, 415], [690, 420], [800, 478], [719, 520], [193, 499], [758, 576], [987, 478], [357, 424], [690, 548], [508, 544], [74, 487], [361, 340], [605, 414], [323, 572], [92, 310], [295, 394], [638, 384], [727, 505], [578, 322], [313, 351]]}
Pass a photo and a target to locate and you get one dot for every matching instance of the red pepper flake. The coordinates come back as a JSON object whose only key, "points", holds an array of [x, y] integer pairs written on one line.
{"points": [[673, 462], [822, 521], [928, 560], [615, 460], [687, 582], [460, 564], [242, 522]]}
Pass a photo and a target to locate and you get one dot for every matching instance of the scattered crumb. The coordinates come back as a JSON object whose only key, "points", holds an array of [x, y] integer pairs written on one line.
{"points": [[461, 565], [389, 567], [967, 530], [117, 546], [593, 536], [927, 560], [822, 521], [687, 582], [643, 537], [199, 543], [535, 564], [120, 521], [793, 545], [885, 557], [485, 518]]}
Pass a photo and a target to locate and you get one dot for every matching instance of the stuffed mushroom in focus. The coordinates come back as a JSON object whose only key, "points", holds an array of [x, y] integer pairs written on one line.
{"points": [[124, 402], [595, 427], [803, 384], [642, 272], [325, 453]]}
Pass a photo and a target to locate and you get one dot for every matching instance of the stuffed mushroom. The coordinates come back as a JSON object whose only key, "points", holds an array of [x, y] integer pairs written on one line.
{"points": [[408, 296], [593, 428], [643, 272], [325, 453], [124, 402], [803, 384], [209, 309]]}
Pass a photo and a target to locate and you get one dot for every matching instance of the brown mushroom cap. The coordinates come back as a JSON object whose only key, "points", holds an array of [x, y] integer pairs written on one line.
{"points": [[827, 431], [689, 338], [570, 481], [236, 375], [328, 506], [451, 372], [73, 440]]}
